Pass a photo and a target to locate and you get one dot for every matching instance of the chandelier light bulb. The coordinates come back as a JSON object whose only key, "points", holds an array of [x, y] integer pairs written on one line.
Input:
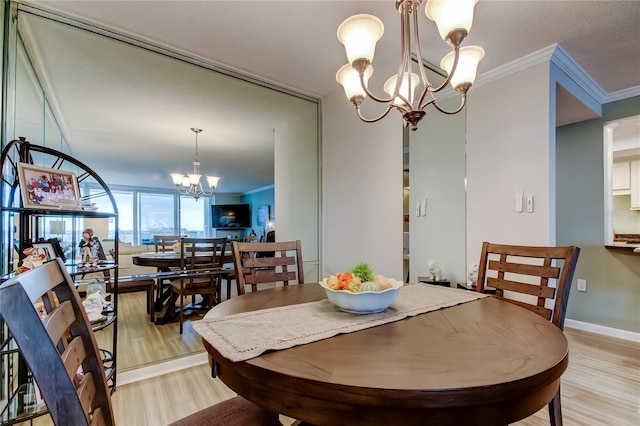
{"points": [[451, 15], [359, 34], [390, 86], [349, 78], [467, 67], [212, 181], [177, 178]]}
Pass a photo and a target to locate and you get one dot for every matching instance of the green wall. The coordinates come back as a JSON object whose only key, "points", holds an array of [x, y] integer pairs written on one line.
{"points": [[613, 277], [257, 199]]}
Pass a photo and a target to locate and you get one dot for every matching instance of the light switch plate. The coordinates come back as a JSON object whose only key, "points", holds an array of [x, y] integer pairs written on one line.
{"points": [[518, 199]]}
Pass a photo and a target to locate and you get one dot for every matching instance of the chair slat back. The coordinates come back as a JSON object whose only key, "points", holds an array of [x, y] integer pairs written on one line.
{"points": [[163, 243], [57, 344], [272, 262], [201, 254], [528, 270]]}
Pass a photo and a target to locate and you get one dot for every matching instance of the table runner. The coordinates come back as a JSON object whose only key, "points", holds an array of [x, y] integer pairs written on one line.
{"points": [[246, 335]]}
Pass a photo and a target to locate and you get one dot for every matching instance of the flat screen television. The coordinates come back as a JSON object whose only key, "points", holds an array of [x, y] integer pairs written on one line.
{"points": [[231, 216]]}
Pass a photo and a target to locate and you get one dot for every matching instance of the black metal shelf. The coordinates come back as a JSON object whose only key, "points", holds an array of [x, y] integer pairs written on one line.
{"points": [[18, 388]]}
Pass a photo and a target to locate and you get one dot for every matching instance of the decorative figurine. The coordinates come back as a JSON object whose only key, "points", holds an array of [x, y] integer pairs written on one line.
{"points": [[31, 260], [87, 245], [434, 270], [473, 275]]}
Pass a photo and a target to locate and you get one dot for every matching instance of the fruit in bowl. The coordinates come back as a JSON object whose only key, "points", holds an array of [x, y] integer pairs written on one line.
{"points": [[360, 291]]}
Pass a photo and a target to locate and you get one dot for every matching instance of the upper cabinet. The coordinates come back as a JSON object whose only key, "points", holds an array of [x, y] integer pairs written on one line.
{"points": [[621, 178], [635, 184], [626, 181]]}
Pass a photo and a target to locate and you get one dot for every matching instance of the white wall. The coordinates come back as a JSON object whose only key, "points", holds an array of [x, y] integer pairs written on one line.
{"points": [[437, 172], [296, 186], [362, 187], [509, 147]]}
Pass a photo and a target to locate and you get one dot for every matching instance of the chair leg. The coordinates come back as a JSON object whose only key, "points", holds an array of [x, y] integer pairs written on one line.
{"points": [[181, 311], [555, 410], [151, 309]]}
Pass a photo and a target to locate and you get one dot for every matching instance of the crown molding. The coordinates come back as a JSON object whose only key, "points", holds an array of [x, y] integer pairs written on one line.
{"points": [[264, 188], [535, 58], [623, 94], [557, 55], [569, 66]]}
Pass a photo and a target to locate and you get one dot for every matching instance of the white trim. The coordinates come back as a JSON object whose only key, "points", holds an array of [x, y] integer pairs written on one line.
{"points": [[601, 329], [566, 63], [541, 56], [153, 370], [558, 56], [622, 94], [264, 188]]}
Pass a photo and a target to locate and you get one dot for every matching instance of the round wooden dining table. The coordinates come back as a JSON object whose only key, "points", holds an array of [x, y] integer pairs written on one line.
{"points": [[484, 362], [165, 262]]}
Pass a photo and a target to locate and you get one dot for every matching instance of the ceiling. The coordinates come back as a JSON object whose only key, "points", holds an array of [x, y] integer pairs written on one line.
{"points": [[292, 44]]}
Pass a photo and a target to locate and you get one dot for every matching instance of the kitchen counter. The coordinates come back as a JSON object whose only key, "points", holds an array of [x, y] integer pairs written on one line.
{"points": [[623, 246]]}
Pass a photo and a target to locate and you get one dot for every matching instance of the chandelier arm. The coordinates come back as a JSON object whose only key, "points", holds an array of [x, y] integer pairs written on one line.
{"points": [[462, 104], [371, 95], [406, 53], [184, 191], [405, 49], [373, 120], [423, 72], [453, 70], [421, 67]]}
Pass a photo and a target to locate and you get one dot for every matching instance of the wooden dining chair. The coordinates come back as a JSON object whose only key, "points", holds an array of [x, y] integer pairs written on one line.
{"points": [[522, 275], [163, 243], [283, 263], [198, 254], [44, 313]]}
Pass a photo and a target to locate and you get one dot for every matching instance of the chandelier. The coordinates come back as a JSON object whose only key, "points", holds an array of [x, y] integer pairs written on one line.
{"points": [[190, 184], [360, 33]]}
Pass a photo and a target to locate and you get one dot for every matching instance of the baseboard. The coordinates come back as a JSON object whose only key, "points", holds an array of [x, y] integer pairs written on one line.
{"points": [[601, 329], [146, 372]]}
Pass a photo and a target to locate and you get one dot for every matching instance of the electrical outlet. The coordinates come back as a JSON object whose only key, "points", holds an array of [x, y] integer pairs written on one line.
{"points": [[581, 285]]}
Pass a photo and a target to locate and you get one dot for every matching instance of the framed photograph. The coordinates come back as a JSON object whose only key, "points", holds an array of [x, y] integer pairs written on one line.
{"points": [[264, 214], [43, 187], [57, 248], [47, 248]]}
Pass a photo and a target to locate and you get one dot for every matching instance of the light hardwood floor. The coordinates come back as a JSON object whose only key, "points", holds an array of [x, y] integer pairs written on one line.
{"points": [[141, 342], [600, 387]]}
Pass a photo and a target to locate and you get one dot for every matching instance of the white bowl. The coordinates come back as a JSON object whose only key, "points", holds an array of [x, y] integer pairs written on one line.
{"points": [[365, 302]]}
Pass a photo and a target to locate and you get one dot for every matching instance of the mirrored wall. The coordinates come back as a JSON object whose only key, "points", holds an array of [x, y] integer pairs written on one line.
{"points": [[45, 116]]}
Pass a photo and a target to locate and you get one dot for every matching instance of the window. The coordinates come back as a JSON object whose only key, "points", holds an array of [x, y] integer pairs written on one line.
{"points": [[124, 201], [192, 219], [143, 214], [157, 214]]}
